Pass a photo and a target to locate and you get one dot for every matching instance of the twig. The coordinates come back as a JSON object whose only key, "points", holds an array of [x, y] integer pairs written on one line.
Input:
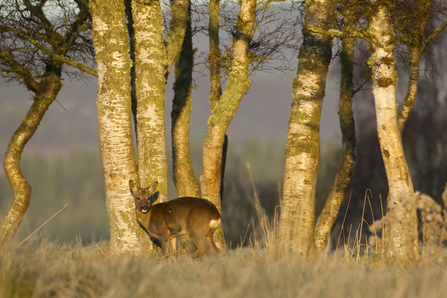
{"points": [[43, 224]]}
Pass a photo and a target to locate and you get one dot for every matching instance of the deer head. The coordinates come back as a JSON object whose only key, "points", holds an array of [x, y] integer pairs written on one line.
{"points": [[144, 197], [163, 222]]}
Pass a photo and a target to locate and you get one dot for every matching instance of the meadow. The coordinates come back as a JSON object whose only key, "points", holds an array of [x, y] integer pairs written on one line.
{"points": [[46, 269]]}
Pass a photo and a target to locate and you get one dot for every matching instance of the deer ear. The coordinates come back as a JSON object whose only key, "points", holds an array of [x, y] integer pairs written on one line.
{"points": [[154, 197], [152, 187], [133, 186]]}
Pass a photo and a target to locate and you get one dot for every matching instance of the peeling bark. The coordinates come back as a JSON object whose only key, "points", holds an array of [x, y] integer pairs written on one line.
{"points": [[302, 152], [403, 235], [115, 122], [150, 63]]}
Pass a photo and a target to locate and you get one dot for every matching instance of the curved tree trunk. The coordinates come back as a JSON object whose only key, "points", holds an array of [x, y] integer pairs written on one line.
{"points": [[302, 152], [50, 87], [403, 234], [115, 122], [184, 179], [223, 111], [343, 180]]}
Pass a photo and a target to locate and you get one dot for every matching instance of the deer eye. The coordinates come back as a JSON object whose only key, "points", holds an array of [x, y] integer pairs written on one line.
{"points": [[138, 198]]}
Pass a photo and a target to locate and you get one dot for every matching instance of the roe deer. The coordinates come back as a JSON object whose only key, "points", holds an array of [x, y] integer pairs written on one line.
{"points": [[196, 217]]}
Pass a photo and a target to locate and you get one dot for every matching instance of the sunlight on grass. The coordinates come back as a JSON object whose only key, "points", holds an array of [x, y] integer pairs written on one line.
{"points": [[89, 271]]}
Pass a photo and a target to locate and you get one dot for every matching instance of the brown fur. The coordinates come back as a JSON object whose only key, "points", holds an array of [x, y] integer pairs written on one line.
{"points": [[163, 222]]}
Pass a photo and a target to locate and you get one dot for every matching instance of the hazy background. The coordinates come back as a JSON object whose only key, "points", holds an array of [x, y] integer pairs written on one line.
{"points": [[62, 162]]}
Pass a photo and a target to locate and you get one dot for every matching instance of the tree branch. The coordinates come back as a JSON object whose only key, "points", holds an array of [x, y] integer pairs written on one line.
{"points": [[21, 71], [432, 36], [340, 34]]}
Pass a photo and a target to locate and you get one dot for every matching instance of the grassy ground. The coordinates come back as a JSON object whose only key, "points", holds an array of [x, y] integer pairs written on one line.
{"points": [[89, 271]]}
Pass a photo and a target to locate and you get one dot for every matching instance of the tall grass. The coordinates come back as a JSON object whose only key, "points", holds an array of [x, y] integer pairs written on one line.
{"points": [[262, 269], [90, 271]]}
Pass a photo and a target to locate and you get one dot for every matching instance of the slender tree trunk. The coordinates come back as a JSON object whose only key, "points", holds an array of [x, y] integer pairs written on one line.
{"points": [[416, 49], [184, 179], [413, 62], [177, 29], [50, 86], [150, 64], [214, 52], [302, 151], [223, 111], [403, 235], [347, 125], [115, 121]]}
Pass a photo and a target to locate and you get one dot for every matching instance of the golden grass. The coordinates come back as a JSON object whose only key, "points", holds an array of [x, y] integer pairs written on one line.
{"points": [[89, 271], [263, 270]]}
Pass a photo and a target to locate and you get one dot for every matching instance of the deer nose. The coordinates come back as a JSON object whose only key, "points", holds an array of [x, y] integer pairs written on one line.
{"points": [[144, 209]]}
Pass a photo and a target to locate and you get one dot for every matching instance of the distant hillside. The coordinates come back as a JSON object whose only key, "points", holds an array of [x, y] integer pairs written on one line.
{"points": [[71, 121]]}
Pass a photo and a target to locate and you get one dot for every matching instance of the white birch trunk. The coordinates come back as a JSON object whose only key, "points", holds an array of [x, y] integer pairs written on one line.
{"points": [[114, 121], [302, 153], [403, 242], [150, 63]]}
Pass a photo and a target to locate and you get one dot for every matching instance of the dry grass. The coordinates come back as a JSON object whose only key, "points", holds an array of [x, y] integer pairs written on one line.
{"points": [[262, 270], [89, 271]]}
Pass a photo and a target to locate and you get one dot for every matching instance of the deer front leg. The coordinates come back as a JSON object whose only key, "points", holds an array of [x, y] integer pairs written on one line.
{"points": [[173, 245], [165, 246]]}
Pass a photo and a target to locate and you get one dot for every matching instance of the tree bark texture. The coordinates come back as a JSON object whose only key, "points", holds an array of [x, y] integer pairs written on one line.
{"points": [[347, 125], [223, 111], [178, 24], [302, 152], [185, 181], [150, 83], [115, 122], [416, 46], [214, 52], [49, 87], [403, 234]]}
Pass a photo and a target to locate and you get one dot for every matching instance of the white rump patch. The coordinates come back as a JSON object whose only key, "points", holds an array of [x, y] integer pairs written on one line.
{"points": [[214, 223]]}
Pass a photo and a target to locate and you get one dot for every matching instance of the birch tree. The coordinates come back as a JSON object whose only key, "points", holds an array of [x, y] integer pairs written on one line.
{"points": [[35, 49], [380, 33], [302, 152], [185, 181], [150, 84], [154, 57], [223, 111], [115, 122], [343, 179]]}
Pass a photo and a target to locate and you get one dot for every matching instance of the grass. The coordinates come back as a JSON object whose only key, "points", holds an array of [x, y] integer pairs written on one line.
{"points": [[89, 271], [46, 269]]}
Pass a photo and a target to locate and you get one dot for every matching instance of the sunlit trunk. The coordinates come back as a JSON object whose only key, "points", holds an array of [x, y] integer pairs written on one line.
{"points": [[302, 153], [223, 111], [184, 179], [403, 234], [150, 83], [115, 122], [50, 86]]}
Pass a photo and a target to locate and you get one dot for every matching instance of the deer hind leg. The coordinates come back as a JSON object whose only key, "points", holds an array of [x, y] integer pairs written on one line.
{"points": [[202, 243]]}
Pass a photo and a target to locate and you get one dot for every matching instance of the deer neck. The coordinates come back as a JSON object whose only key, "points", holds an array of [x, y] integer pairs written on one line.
{"points": [[144, 218]]}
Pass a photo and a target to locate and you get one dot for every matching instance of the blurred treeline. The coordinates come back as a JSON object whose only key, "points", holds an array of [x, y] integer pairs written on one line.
{"points": [[76, 179]]}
